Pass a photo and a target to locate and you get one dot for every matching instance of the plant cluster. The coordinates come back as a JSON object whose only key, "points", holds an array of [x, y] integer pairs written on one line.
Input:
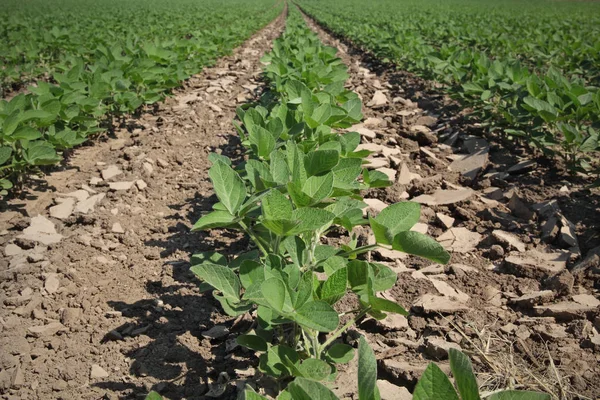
{"points": [[102, 60], [301, 181], [531, 72]]}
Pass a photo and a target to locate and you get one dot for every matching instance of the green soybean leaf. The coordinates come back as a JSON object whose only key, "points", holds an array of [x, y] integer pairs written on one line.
{"points": [[312, 219], [253, 342], [334, 287], [379, 304], [358, 276], [153, 396], [519, 395], [313, 369], [211, 257], [251, 272], [393, 219], [228, 185], [306, 389], [319, 187], [26, 133], [5, 153], [263, 141], [319, 161], [434, 385], [215, 219], [463, 375], [275, 205], [367, 372], [421, 245], [274, 292], [304, 290], [220, 277], [295, 247], [250, 395], [383, 277], [40, 153], [340, 353], [233, 308], [317, 315]]}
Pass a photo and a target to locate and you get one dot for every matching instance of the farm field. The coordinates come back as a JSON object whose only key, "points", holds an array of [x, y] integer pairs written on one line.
{"points": [[529, 69], [93, 62], [299, 210]]}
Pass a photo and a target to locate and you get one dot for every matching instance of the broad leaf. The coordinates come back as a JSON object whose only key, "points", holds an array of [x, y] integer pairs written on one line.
{"points": [[220, 277], [228, 185], [418, 244], [367, 372], [463, 375], [317, 315], [434, 385]]}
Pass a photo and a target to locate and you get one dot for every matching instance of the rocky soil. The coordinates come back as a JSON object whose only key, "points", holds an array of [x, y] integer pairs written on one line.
{"points": [[98, 300]]}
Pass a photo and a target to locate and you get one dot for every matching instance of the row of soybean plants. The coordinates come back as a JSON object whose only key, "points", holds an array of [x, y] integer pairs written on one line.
{"points": [[97, 61], [530, 70], [300, 182]]}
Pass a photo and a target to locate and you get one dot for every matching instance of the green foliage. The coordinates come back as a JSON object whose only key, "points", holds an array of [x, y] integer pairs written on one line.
{"points": [[529, 71], [300, 181], [103, 59], [435, 385]]}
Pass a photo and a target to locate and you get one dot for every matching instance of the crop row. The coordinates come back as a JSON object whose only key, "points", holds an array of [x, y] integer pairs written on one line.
{"points": [[300, 183], [530, 71], [99, 61]]}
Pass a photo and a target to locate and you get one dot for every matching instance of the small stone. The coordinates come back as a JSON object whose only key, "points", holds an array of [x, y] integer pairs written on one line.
{"points": [[492, 295], [430, 303], [52, 283], [111, 172], [117, 228], [216, 332], [550, 229], [438, 348], [18, 378], [446, 221], [519, 208], [496, 252], [375, 163], [567, 233], [531, 299], [522, 167], [522, 332], [12, 249], [389, 391], [374, 122], [97, 372], [88, 205], [162, 163], [50, 329], [535, 264], [118, 144], [391, 173], [63, 210], [121, 186], [70, 316], [41, 230], [508, 239], [374, 205], [379, 99], [114, 335], [460, 240], [406, 176], [551, 331], [446, 290], [95, 181], [364, 131], [441, 197], [141, 185], [148, 168], [561, 283], [394, 322]]}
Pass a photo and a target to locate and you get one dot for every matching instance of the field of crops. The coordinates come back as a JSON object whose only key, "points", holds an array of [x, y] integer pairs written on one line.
{"points": [[271, 207], [92, 62], [530, 69]]}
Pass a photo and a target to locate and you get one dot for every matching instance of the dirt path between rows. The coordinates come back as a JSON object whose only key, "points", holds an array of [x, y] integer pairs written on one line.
{"points": [[106, 307]]}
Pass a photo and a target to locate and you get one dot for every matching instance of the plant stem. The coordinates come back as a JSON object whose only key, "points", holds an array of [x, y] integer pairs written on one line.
{"points": [[254, 238], [346, 326]]}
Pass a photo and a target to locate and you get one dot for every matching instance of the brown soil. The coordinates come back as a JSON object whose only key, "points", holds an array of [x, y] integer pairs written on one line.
{"points": [[132, 317]]}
